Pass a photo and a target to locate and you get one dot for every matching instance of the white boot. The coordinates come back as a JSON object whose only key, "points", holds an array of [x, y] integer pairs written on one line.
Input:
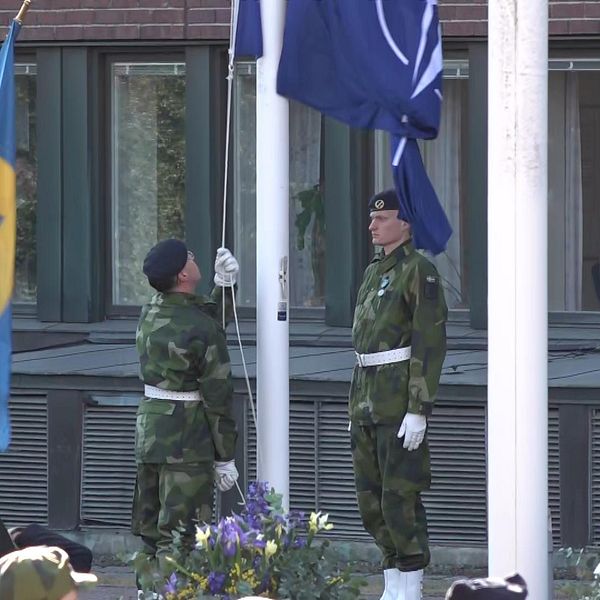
{"points": [[141, 595], [411, 585], [392, 578]]}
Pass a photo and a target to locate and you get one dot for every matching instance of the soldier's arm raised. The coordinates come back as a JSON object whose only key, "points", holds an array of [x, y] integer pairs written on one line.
{"points": [[217, 309], [425, 297]]}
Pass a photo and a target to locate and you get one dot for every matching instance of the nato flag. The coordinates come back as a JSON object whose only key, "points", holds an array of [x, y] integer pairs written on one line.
{"points": [[375, 64], [248, 28]]}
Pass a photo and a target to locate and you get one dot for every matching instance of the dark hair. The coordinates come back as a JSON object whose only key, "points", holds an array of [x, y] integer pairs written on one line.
{"points": [[163, 285]]}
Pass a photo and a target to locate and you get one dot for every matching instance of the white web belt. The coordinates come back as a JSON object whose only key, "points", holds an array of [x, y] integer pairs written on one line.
{"points": [[154, 392], [383, 358]]}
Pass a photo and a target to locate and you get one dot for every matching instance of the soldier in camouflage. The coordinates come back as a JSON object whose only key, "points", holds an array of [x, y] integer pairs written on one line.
{"points": [[40, 573], [399, 336], [185, 432]]}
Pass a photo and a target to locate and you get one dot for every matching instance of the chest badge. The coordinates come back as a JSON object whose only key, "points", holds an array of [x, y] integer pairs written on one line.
{"points": [[383, 284]]}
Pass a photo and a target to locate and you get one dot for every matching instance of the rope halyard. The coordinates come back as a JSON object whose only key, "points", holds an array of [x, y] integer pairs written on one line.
{"points": [[230, 80]]}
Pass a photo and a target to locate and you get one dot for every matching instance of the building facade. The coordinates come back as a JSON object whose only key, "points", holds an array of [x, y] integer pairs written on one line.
{"points": [[121, 108]]}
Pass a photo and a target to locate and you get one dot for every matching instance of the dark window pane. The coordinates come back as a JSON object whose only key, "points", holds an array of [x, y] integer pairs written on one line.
{"points": [[573, 190], [26, 169], [307, 214], [148, 168]]}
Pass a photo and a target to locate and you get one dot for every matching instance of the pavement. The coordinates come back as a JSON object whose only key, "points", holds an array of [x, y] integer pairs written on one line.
{"points": [[117, 582]]}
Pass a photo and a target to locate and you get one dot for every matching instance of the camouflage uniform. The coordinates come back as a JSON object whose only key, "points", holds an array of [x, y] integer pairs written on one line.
{"points": [[40, 573], [400, 303], [182, 347]]}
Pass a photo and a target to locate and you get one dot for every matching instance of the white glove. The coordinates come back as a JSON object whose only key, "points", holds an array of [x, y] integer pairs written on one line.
{"points": [[226, 268], [225, 475], [413, 429]]}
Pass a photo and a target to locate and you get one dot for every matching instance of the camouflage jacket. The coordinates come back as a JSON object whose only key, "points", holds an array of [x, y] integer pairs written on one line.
{"points": [[400, 303], [182, 347]]}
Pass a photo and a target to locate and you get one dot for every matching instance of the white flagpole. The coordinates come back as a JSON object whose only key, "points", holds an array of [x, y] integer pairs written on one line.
{"points": [[517, 292], [272, 247]]}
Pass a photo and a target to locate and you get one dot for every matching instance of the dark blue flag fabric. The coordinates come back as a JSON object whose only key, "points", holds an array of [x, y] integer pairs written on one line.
{"points": [[419, 204], [248, 33], [374, 64], [8, 213]]}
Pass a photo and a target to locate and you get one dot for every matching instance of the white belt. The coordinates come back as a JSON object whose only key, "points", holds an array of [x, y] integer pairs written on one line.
{"points": [[383, 358], [154, 392]]}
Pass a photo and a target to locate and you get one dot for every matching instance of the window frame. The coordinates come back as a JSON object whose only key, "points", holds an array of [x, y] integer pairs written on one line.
{"points": [[114, 310], [566, 61], [29, 309]]}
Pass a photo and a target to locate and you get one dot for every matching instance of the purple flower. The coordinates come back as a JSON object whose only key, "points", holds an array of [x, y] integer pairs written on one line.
{"points": [[256, 507], [214, 532], [257, 539], [230, 536], [171, 585], [296, 519], [264, 583], [299, 542], [216, 581]]}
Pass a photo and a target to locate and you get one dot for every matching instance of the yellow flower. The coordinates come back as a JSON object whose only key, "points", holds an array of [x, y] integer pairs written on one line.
{"points": [[312, 522], [270, 548], [323, 523], [202, 536], [231, 588], [200, 580], [249, 576]]}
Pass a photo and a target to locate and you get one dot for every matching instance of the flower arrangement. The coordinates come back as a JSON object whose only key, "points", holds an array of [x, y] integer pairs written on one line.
{"points": [[263, 551]]}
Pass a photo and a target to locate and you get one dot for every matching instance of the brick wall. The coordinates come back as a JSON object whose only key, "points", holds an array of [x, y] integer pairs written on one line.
{"points": [[72, 20], [567, 17]]}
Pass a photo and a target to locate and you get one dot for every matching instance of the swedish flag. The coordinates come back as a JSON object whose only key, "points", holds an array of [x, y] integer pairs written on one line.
{"points": [[7, 219]]}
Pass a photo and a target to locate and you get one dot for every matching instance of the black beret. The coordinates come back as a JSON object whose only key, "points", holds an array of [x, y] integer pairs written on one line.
{"points": [[387, 200], [511, 588], [165, 260]]}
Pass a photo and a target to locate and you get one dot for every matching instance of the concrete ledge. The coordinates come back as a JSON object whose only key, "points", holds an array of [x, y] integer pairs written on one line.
{"points": [[109, 543]]}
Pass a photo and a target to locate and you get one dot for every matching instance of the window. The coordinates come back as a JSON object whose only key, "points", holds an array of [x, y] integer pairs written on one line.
{"points": [[445, 161], [147, 168], [574, 186], [307, 214], [26, 171]]}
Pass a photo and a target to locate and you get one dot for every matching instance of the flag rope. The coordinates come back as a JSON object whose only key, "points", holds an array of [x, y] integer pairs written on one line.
{"points": [[230, 76]]}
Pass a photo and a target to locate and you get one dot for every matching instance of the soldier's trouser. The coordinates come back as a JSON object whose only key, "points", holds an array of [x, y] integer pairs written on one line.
{"points": [[389, 480], [166, 497]]}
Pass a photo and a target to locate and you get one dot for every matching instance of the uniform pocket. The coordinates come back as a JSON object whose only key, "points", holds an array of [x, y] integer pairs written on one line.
{"points": [[196, 439], [157, 434]]}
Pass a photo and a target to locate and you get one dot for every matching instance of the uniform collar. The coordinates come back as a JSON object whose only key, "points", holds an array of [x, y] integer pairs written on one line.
{"points": [[397, 255], [176, 299]]}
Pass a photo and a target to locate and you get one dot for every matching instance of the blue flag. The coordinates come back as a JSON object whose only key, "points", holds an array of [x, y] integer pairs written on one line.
{"points": [[7, 220], [248, 29], [375, 64]]}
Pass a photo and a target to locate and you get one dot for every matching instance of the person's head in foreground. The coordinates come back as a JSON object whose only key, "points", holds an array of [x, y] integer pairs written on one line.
{"points": [[40, 573], [511, 588]]}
